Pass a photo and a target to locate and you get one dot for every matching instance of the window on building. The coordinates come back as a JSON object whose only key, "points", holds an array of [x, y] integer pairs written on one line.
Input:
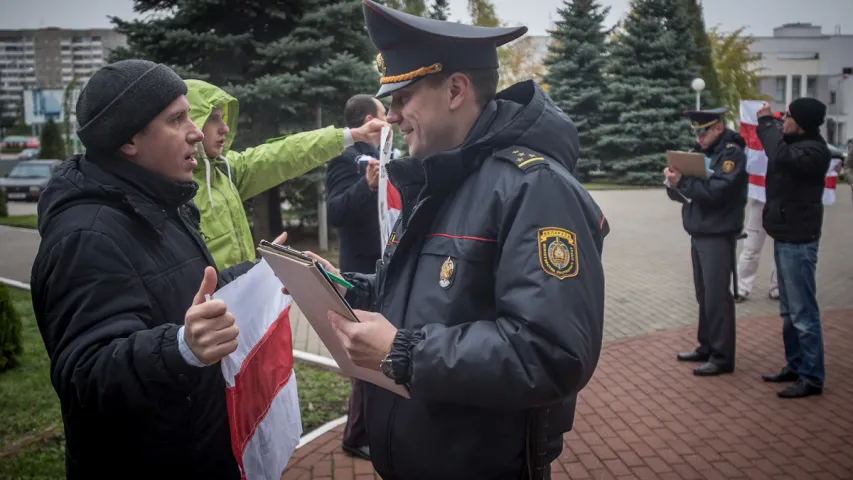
{"points": [[796, 86], [811, 86], [832, 97], [781, 84]]}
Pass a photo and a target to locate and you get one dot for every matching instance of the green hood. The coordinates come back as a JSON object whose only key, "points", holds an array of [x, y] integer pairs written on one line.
{"points": [[203, 98]]}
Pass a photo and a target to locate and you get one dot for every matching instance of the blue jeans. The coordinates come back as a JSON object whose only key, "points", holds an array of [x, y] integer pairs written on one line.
{"points": [[801, 332]]}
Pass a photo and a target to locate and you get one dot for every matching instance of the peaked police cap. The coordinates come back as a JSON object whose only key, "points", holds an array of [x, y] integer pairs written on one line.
{"points": [[412, 47]]}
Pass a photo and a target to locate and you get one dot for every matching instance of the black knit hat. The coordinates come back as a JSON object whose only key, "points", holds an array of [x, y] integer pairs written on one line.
{"points": [[121, 99], [809, 113]]}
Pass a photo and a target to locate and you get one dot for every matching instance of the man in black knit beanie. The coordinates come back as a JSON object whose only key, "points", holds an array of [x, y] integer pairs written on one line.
{"points": [[797, 161], [119, 288]]}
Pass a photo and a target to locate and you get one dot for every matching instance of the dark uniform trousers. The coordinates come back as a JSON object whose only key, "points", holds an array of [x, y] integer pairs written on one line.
{"points": [[713, 266]]}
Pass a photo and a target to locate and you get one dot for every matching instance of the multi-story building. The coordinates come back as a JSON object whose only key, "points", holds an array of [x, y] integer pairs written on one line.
{"points": [[49, 58], [799, 60]]}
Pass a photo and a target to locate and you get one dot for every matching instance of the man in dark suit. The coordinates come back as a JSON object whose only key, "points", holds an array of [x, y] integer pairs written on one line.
{"points": [[352, 180]]}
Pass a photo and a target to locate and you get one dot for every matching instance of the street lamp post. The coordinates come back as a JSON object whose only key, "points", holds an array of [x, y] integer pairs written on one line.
{"points": [[698, 85]]}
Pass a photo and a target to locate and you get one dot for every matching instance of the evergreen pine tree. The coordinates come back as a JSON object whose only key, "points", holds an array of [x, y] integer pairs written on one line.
{"points": [[284, 62], [10, 331], [702, 59], [649, 76], [52, 146], [4, 209], [440, 10], [575, 66]]}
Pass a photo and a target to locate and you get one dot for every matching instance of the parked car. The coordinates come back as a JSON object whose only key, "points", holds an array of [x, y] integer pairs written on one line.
{"points": [[28, 154], [15, 144], [836, 152], [28, 179], [6, 166]]}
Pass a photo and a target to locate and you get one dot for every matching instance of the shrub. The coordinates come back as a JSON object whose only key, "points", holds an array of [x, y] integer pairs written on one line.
{"points": [[10, 331]]}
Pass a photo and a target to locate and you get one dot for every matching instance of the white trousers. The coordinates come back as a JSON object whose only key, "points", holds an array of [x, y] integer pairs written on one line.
{"points": [[747, 265]]}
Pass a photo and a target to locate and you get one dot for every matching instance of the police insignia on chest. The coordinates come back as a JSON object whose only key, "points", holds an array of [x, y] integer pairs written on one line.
{"points": [[445, 276], [728, 166], [558, 253]]}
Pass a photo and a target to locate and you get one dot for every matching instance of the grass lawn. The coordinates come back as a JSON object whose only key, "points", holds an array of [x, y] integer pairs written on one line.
{"points": [[23, 221], [29, 407]]}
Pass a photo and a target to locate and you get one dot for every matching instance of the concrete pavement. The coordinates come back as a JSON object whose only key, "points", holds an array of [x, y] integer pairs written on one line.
{"points": [[22, 208]]}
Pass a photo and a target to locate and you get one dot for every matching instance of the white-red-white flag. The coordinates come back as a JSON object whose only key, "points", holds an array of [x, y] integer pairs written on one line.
{"points": [[390, 205], [756, 159], [263, 405]]}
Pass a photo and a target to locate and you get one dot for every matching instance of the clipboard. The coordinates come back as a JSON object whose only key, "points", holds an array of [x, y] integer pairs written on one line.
{"points": [[316, 294], [688, 163]]}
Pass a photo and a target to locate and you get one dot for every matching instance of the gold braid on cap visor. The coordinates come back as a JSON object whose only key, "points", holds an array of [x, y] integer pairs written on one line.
{"points": [[704, 125], [421, 72]]}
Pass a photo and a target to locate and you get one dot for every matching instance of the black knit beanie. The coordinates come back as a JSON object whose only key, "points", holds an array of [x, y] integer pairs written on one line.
{"points": [[121, 99], [809, 113]]}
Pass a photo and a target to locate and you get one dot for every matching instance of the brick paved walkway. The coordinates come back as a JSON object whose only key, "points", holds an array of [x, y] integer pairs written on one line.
{"points": [[645, 416]]}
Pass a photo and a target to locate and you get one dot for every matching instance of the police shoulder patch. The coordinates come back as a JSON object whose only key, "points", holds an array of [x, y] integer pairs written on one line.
{"points": [[558, 252], [728, 166], [523, 158]]}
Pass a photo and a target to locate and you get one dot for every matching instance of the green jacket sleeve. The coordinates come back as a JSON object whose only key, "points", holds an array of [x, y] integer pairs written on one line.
{"points": [[256, 170]]}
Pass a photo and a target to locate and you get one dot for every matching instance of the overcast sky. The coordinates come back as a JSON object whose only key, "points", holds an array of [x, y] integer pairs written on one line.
{"points": [[759, 16]]}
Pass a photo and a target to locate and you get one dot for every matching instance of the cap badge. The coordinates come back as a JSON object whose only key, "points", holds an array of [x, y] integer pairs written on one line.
{"points": [[380, 64]]}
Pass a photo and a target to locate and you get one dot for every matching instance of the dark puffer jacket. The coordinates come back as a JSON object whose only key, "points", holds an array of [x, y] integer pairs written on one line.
{"points": [[717, 203], [496, 265], [796, 178], [118, 266]]}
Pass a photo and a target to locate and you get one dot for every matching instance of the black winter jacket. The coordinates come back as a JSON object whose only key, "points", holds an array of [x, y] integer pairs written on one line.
{"points": [[118, 266], [718, 203], [495, 265], [353, 209], [796, 178]]}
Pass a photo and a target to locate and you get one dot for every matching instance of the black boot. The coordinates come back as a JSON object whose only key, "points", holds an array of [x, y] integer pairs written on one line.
{"points": [[709, 369], [693, 356], [800, 389], [784, 375], [360, 452]]}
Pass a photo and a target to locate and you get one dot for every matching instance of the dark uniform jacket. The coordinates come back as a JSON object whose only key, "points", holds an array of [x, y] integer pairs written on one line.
{"points": [[496, 264], [796, 178], [352, 207], [718, 202], [118, 266]]}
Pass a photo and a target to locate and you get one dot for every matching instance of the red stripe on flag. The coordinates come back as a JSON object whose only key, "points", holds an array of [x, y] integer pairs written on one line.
{"points": [[831, 182], [266, 369], [758, 180], [394, 198], [748, 132]]}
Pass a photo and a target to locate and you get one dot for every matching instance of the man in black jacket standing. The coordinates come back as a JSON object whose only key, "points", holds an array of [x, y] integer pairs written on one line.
{"points": [[119, 289], [797, 162], [713, 216], [488, 302], [352, 180]]}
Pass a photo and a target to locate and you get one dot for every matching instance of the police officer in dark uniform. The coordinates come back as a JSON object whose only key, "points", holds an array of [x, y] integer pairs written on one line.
{"points": [[713, 215], [488, 303]]}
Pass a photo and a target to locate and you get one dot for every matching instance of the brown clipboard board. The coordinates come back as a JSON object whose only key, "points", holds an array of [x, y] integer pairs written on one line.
{"points": [[687, 163]]}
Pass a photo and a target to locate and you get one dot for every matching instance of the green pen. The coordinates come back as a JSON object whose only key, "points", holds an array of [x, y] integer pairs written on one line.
{"points": [[340, 281]]}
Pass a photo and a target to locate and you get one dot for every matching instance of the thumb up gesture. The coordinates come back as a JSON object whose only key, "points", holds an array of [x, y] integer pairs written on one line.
{"points": [[209, 328]]}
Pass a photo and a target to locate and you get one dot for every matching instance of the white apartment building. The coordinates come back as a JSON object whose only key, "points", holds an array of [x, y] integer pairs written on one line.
{"points": [[48, 58], [799, 60]]}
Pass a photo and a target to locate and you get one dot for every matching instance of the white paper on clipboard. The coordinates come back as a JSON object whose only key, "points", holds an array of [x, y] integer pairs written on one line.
{"points": [[384, 157]]}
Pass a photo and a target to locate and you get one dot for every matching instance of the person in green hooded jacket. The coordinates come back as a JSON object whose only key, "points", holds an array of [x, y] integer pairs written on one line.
{"points": [[226, 177]]}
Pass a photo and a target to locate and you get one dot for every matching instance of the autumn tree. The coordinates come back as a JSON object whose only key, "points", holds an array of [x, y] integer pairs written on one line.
{"points": [[737, 68], [575, 62]]}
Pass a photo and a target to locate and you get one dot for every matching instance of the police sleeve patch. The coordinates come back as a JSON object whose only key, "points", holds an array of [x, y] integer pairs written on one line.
{"points": [[558, 252], [728, 166], [523, 158]]}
